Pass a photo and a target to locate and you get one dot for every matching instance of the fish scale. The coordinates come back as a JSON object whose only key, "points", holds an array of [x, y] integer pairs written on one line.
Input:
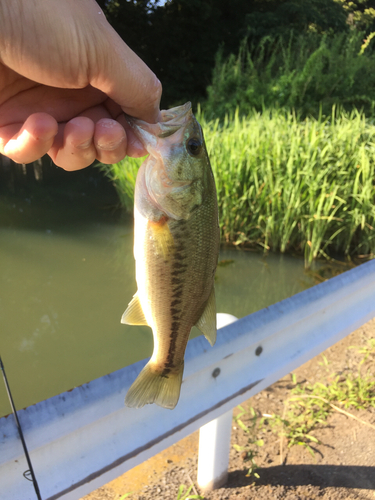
{"points": [[176, 245]]}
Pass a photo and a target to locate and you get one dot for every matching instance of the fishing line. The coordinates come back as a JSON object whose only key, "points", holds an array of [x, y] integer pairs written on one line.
{"points": [[29, 472]]}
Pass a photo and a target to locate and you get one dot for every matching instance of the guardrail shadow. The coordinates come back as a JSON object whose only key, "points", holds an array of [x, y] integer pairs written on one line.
{"points": [[337, 476]]}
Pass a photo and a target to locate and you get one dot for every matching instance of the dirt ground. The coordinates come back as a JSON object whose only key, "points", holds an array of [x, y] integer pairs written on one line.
{"points": [[343, 465]]}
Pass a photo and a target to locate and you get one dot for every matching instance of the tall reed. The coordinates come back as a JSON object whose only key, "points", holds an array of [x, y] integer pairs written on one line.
{"points": [[289, 185]]}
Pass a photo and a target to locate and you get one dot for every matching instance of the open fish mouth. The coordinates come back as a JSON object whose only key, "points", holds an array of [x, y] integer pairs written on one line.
{"points": [[154, 137], [172, 120]]}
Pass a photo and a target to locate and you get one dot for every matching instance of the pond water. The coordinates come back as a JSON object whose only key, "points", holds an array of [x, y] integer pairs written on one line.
{"points": [[66, 276]]}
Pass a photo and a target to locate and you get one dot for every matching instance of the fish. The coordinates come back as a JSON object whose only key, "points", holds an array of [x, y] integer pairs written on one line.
{"points": [[176, 248]]}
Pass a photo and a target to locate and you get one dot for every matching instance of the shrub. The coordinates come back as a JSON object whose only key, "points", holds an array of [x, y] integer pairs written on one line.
{"points": [[307, 72]]}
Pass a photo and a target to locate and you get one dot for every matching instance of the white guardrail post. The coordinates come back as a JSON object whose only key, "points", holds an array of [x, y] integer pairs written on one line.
{"points": [[214, 439]]}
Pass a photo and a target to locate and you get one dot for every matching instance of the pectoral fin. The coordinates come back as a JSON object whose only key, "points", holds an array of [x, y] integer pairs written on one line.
{"points": [[207, 322], [162, 237], [134, 314]]}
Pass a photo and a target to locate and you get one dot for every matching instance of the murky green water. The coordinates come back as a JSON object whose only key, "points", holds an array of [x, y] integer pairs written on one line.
{"points": [[66, 276]]}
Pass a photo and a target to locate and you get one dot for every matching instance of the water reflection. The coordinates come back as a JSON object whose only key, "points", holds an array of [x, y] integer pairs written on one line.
{"points": [[66, 276], [253, 281]]}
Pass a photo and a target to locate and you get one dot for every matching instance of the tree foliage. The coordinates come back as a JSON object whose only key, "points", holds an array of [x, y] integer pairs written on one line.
{"points": [[279, 17], [179, 39], [305, 72]]}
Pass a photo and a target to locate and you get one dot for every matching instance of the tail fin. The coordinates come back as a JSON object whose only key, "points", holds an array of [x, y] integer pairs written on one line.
{"points": [[152, 387]]}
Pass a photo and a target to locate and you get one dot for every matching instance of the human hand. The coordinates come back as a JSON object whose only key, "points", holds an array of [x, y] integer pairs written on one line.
{"points": [[66, 79]]}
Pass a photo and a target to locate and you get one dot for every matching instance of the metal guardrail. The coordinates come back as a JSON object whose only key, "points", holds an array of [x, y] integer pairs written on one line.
{"points": [[83, 438]]}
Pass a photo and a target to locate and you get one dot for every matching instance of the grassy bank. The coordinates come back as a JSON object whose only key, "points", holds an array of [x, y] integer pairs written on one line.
{"points": [[288, 185]]}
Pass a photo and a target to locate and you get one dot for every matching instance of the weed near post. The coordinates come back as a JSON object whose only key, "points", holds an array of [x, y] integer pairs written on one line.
{"points": [[308, 408], [184, 493]]}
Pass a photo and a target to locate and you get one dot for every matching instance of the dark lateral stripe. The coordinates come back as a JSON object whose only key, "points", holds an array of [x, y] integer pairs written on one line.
{"points": [[175, 302], [179, 236], [172, 346], [181, 223], [178, 271], [176, 281], [177, 265], [177, 293], [179, 256]]}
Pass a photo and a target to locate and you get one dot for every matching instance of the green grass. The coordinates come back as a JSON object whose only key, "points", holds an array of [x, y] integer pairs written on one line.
{"points": [[296, 186], [249, 453], [309, 407], [288, 185], [123, 176], [183, 493]]}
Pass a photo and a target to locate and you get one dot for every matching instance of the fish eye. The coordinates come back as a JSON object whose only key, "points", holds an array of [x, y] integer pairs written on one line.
{"points": [[194, 146]]}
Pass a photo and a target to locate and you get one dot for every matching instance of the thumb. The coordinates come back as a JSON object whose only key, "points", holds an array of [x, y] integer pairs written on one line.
{"points": [[125, 78]]}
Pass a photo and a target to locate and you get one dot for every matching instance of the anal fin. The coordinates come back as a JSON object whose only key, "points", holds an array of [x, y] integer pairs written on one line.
{"points": [[207, 322], [134, 314]]}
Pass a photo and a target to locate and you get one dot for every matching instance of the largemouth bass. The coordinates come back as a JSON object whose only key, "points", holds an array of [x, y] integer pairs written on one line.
{"points": [[176, 246]]}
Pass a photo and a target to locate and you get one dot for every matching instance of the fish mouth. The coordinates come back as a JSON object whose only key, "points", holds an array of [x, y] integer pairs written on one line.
{"points": [[171, 120], [158, 141]]}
